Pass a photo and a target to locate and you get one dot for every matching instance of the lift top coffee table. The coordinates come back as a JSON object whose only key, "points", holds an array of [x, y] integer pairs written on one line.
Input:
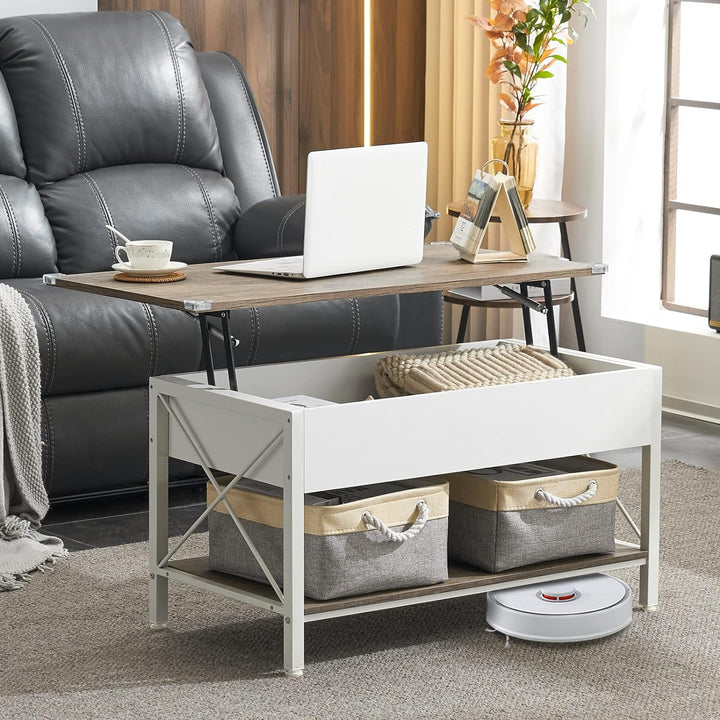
{"points": [[608, 404], [208, 292]]}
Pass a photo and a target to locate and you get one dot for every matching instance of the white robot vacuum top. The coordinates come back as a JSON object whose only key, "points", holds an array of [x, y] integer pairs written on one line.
{"points": [[572, 610]]}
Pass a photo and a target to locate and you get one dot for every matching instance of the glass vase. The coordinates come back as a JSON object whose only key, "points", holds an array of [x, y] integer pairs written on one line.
{"points": [[517, 146]]}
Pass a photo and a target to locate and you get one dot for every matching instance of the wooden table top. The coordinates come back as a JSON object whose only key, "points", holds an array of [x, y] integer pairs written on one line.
{"points": [[540, 211], [440, 269]]}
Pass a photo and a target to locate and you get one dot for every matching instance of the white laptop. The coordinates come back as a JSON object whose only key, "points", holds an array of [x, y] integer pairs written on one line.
{"points": [[364, 210]]}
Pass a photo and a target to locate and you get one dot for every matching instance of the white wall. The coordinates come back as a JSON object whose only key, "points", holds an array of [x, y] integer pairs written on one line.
{"points": [[586, 163], [613, 165], [8, 8]]}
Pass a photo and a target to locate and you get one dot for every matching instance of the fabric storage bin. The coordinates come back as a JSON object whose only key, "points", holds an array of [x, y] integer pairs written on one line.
{"points": [[393, 536], [514, 515]]}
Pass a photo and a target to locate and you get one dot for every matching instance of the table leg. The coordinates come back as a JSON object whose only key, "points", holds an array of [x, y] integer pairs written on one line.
{"points": [[158, 506], [527, 323], [206, 349], [228, 341], [294, 550], [550, 315], [650, 525], [565, 246]]}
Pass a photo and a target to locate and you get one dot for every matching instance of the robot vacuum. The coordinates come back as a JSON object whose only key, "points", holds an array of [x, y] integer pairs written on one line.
{"points": [[572, 610]]}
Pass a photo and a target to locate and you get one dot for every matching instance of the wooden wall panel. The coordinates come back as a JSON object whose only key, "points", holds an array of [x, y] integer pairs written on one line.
{"points": [[397, 71], [304, 62], [331, 77]]}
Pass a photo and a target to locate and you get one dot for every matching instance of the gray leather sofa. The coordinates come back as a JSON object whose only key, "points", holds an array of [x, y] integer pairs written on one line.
{"points": [[113, 118]]}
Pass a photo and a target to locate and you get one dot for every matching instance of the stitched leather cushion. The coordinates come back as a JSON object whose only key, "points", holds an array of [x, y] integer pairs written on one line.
{"points": [[310, 330], [98, 441], [196, 209], [90, 342], [11, 157], [92, 90], [245, 150], [27, 247]]}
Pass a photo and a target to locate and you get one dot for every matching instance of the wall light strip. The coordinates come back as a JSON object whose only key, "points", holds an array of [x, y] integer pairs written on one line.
{"points": [[366, 72]]}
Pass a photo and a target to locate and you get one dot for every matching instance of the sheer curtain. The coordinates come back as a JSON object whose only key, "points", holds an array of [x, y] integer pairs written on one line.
{"points": [[461, 114]]}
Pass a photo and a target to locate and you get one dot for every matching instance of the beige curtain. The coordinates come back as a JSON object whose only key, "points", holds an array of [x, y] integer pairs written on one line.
{"points": [[461, 113]]}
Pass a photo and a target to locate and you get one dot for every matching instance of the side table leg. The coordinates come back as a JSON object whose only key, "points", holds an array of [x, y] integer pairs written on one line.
{"points": [[462, 327], [158, 506], [575, 303]]}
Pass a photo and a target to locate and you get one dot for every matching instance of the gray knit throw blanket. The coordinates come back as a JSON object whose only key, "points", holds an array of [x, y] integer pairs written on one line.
{"points": [[397, 375], [23, 499]]}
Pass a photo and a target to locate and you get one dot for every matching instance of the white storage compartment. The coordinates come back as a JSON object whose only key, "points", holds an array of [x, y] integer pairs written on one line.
{"points": [[355, 441], [608, 404]]}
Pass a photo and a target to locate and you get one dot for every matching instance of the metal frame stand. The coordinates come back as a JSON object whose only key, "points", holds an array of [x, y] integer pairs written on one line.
{"points": [[229, 344], [565, 249], [530, 304], [290, 598]]}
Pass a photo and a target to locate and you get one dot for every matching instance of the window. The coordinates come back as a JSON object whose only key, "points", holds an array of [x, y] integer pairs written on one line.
{"points": [[692, 155]]}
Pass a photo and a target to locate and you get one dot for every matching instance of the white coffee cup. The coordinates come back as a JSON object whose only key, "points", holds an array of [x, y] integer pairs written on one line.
{"points": [[145, 254]]}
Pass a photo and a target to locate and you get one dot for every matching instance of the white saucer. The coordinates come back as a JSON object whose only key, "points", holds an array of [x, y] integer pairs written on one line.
{"points": [[170, 268]]}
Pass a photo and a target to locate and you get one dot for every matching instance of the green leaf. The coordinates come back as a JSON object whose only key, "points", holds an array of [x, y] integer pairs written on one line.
{"points": [[522, 43], [561, 58], [544, 74], [512, 68]]}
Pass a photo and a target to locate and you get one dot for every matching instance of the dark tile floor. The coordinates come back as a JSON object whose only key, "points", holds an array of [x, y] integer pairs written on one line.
{"points": [[124, 519]]}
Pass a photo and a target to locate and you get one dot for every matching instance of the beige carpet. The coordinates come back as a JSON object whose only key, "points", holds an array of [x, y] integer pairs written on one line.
{"points": [[75, 644]]}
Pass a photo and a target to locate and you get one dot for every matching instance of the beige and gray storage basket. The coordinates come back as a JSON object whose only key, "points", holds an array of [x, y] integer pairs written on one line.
{"points": [[506, 517], [382, 542]]}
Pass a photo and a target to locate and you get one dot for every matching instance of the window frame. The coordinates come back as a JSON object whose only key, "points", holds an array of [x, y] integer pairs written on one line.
{"points": [[673, 103]]}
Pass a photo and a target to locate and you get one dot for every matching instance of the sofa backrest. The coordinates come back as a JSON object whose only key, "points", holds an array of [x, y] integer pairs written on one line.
{"points": [[110, 124]]}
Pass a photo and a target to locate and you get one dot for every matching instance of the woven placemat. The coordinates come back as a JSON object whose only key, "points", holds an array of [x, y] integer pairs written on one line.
{"points": [[172, 277]]}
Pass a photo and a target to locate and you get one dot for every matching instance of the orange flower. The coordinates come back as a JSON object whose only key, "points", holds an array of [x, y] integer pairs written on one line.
{"points": [[503, 23], [495, 71], [509, 6], [481, 22]]}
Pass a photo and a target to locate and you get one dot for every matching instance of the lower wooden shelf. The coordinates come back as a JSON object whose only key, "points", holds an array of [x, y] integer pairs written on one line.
{"points": [[461, 577]]}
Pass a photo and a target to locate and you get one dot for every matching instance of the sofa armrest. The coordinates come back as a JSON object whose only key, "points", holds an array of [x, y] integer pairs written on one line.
{"points": [[271, 228]]}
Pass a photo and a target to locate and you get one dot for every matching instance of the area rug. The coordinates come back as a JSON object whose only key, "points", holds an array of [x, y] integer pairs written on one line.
{"points": [[77, 646]]}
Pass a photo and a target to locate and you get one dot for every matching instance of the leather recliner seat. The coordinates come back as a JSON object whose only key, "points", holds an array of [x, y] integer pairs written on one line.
{"points": [[112, 118]]}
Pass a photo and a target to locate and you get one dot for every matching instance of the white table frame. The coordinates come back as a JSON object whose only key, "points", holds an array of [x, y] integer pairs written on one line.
{"points": [[609, 404]]}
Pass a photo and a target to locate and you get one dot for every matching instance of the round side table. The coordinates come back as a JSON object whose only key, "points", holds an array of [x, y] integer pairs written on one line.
{"points": [[539, 212]]}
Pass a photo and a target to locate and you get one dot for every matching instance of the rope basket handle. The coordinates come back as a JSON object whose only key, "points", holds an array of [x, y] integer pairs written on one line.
{"points": [[398, 537], [541, 494]]}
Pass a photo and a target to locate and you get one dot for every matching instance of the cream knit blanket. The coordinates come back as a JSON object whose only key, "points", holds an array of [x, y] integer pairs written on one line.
{"points": [[397, 375], [23, 499]]}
